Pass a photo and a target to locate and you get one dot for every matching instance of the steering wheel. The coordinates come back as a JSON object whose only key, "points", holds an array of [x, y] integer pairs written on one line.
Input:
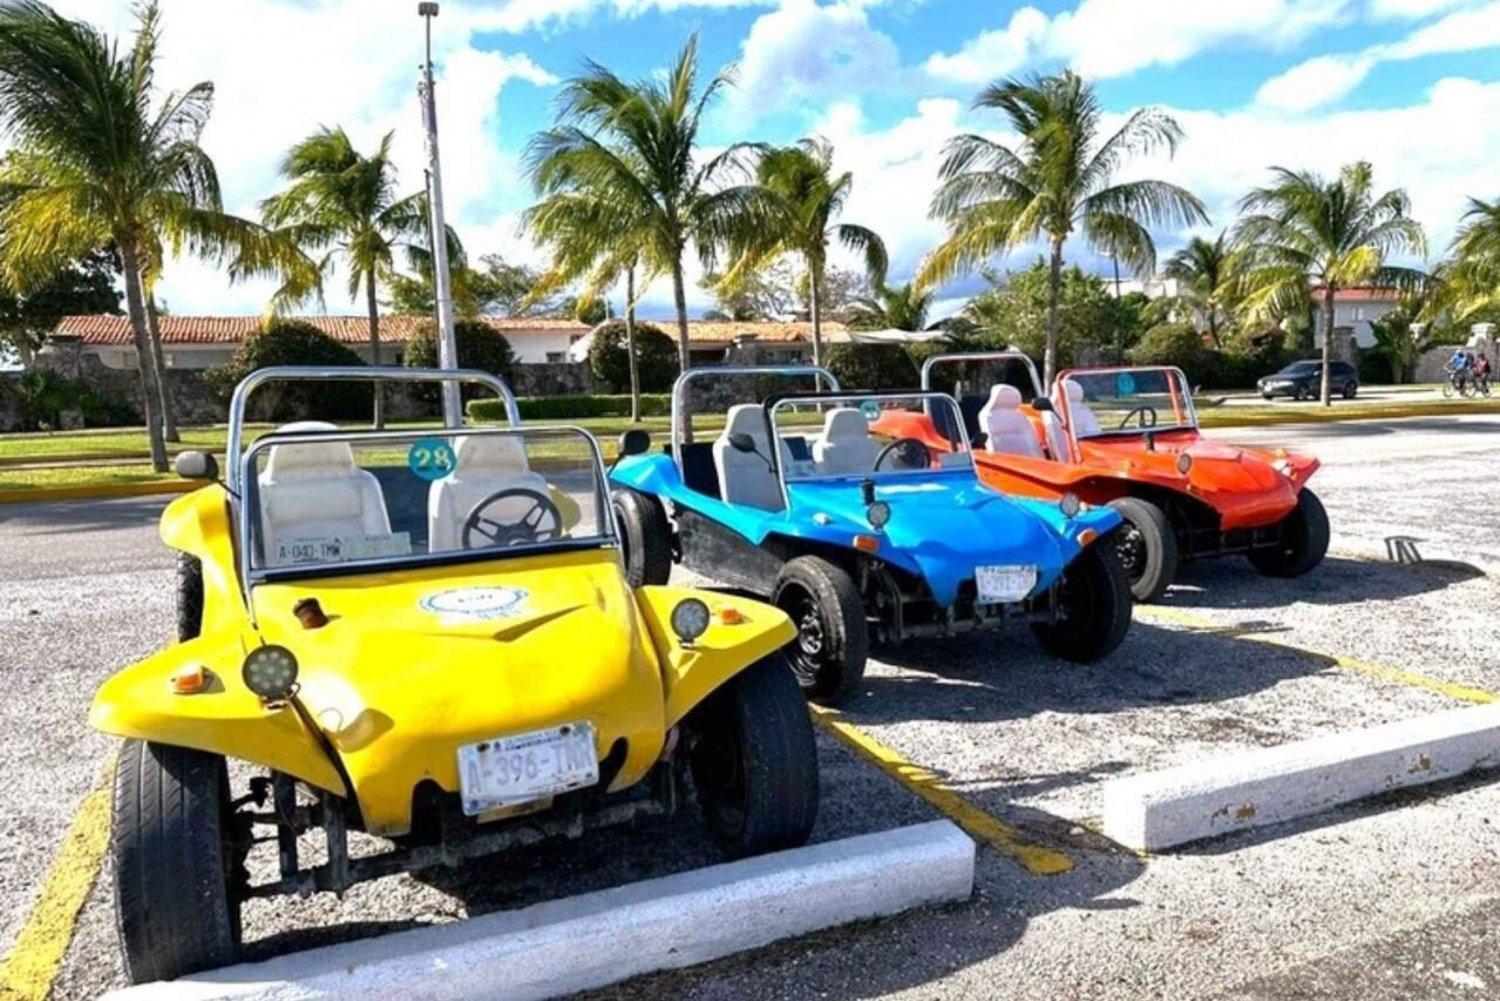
{"points": [[913, 453], [539, 521], [1148, 417]]}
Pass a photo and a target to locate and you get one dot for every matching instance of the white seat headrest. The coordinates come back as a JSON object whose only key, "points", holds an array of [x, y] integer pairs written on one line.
{"points": [[491, 453], [1005, 397], [845, 423], [322, 457], [1074, 389], [746, 418]]}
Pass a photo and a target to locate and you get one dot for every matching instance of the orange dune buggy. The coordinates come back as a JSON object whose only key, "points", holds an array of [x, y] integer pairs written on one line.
{"points": [[1128, 437]]}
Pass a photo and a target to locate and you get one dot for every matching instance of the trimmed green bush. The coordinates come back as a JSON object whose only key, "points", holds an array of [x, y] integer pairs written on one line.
{"points": [[44, 395], [872, 366], [656, 358], [290, 342], [566, 408], [1177, 344], [480, 346]]}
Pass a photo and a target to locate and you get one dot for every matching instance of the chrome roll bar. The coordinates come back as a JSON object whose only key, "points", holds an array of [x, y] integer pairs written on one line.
{"points": [[1036, 382], [679, 389], [346, 373]]}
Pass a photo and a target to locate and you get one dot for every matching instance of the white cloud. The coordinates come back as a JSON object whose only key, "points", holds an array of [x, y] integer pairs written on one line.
{"points": [[1314, 83], [1413, 9], [1324, 79], [281, 70], [803, 50], [1106, 38], [524, 15]]}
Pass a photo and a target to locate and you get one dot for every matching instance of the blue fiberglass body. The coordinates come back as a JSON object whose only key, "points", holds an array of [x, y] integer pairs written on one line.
{"points": [[943, 523]]}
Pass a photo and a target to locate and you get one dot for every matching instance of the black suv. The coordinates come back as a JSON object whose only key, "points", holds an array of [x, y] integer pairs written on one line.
{"points": [[1302, 380]]}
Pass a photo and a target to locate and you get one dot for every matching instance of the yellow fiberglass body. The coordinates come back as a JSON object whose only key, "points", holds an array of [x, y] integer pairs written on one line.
{"points": [[393, 684]]}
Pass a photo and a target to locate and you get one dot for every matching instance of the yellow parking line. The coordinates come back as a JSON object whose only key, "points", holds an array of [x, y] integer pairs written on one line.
{"points": [[1002, 837], [34, 959], [1175, 617]]}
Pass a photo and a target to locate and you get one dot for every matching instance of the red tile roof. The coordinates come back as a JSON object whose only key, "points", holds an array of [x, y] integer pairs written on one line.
{"points": [[105, 329], [1360, 294]]}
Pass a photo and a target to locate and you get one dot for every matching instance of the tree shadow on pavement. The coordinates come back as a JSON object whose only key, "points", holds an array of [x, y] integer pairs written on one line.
{"points": [[74, 517]]}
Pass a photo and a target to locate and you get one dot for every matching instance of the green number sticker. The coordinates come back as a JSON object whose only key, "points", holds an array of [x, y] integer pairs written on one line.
{"points": [[431, 458]]}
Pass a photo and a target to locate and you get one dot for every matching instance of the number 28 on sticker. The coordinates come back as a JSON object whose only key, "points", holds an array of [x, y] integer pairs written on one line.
{"points": [[431, 458]]}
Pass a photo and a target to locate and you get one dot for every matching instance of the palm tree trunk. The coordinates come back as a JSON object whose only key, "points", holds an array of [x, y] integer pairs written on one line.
{"points": [[150, 392], [635, 374], [374, 309], [1328, 293], [684, 355], [813, 297], [158, 358], [1054, 314]]}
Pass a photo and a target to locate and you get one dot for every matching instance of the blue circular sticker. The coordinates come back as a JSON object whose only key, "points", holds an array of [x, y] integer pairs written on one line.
{"points": [[871, 410], [476, 602], [431, 458], [1124, 384]]}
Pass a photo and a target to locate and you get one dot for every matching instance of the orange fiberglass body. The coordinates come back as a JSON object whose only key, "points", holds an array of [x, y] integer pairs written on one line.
{"points": [[1128, 437]]}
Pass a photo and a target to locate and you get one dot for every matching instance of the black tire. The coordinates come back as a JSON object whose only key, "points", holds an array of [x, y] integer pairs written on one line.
{"points": [[1304, 540], [1147, 546], [189, 597], [754, 761], [833, 640], [1351, 390], [177, 877], [1095, 604], [647, 538]]}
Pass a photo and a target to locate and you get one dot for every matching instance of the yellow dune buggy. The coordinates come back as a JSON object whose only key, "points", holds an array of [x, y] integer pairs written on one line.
{"points": [[425, 635]]}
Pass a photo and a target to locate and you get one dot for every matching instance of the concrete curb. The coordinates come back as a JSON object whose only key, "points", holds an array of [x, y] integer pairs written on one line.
{"points": [[103, 491], [588, 941], [1254, 788]]}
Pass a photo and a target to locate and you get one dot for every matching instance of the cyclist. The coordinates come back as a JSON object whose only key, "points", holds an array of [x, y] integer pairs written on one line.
{"points": [[1482, 373], [1458, 369]]}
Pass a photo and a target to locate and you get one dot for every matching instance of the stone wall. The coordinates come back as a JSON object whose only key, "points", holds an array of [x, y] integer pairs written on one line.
{"points": [[10, 406]]}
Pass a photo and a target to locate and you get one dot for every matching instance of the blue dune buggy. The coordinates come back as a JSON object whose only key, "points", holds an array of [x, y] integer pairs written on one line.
{"points": [[860, 537]]}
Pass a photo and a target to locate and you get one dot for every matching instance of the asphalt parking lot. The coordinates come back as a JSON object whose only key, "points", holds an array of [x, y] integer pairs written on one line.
{"points": [[1396, 898]]}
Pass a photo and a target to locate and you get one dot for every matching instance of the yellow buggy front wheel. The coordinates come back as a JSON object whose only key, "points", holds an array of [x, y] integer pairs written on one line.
{"points": [[178, 873]]}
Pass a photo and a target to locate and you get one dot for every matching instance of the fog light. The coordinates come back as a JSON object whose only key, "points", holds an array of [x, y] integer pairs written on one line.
{"points": [[879, 514], [689, 620], [1184, 463], [1070, 505], [271, 672]]}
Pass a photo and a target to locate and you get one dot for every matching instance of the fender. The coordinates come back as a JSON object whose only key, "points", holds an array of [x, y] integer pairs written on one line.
{"points": [[691, 674], [198, 524], [224, 718]]}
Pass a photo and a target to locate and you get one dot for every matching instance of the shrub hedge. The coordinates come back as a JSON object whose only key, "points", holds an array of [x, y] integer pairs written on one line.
{"points": [[480, 346], [289, 342], [656, 358], [561, 408]]}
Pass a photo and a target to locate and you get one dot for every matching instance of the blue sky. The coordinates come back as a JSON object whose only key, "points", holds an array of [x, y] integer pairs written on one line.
{"points": [[1412, 85]]}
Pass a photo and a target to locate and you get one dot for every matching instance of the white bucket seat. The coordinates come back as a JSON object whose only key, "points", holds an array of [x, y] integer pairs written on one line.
{"points": [[315, 491], [1007, 430], [484, 464], [845, 446], [744, 477]]}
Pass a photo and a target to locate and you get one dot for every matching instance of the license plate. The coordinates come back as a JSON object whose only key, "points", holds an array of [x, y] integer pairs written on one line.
{"points": [[507, 771], [1003, 585]]}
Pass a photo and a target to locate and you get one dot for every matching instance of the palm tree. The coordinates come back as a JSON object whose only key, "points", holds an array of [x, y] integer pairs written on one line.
{"points": [[1058, 179], [1201, 270], [806, 197], [343, 204], [99, 161], [635, 146], [595, 240], [1305, 234], [1471, 275], [893, 307]]}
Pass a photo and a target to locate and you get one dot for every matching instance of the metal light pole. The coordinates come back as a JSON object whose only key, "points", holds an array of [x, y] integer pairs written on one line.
{"points": [[441, 282]]}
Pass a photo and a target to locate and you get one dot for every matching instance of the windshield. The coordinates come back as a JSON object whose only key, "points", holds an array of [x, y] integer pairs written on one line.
{"points": [[319, 497], [1104, 402], [1302, 368], [829, 435]]}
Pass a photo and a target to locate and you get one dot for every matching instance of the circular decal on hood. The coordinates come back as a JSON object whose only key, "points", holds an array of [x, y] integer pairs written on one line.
{"points": [[477, 602]]}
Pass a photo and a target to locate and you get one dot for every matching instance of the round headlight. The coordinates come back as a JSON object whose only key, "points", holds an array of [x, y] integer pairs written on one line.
{"points": [[1070, 505], [879, 514], [270, 672], [1184, 463], [690, 619]]}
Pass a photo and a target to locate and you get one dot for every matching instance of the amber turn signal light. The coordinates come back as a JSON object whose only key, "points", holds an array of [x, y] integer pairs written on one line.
{"points": [[731, 616], [189, 680], [866, 543], [1087, 536]]}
